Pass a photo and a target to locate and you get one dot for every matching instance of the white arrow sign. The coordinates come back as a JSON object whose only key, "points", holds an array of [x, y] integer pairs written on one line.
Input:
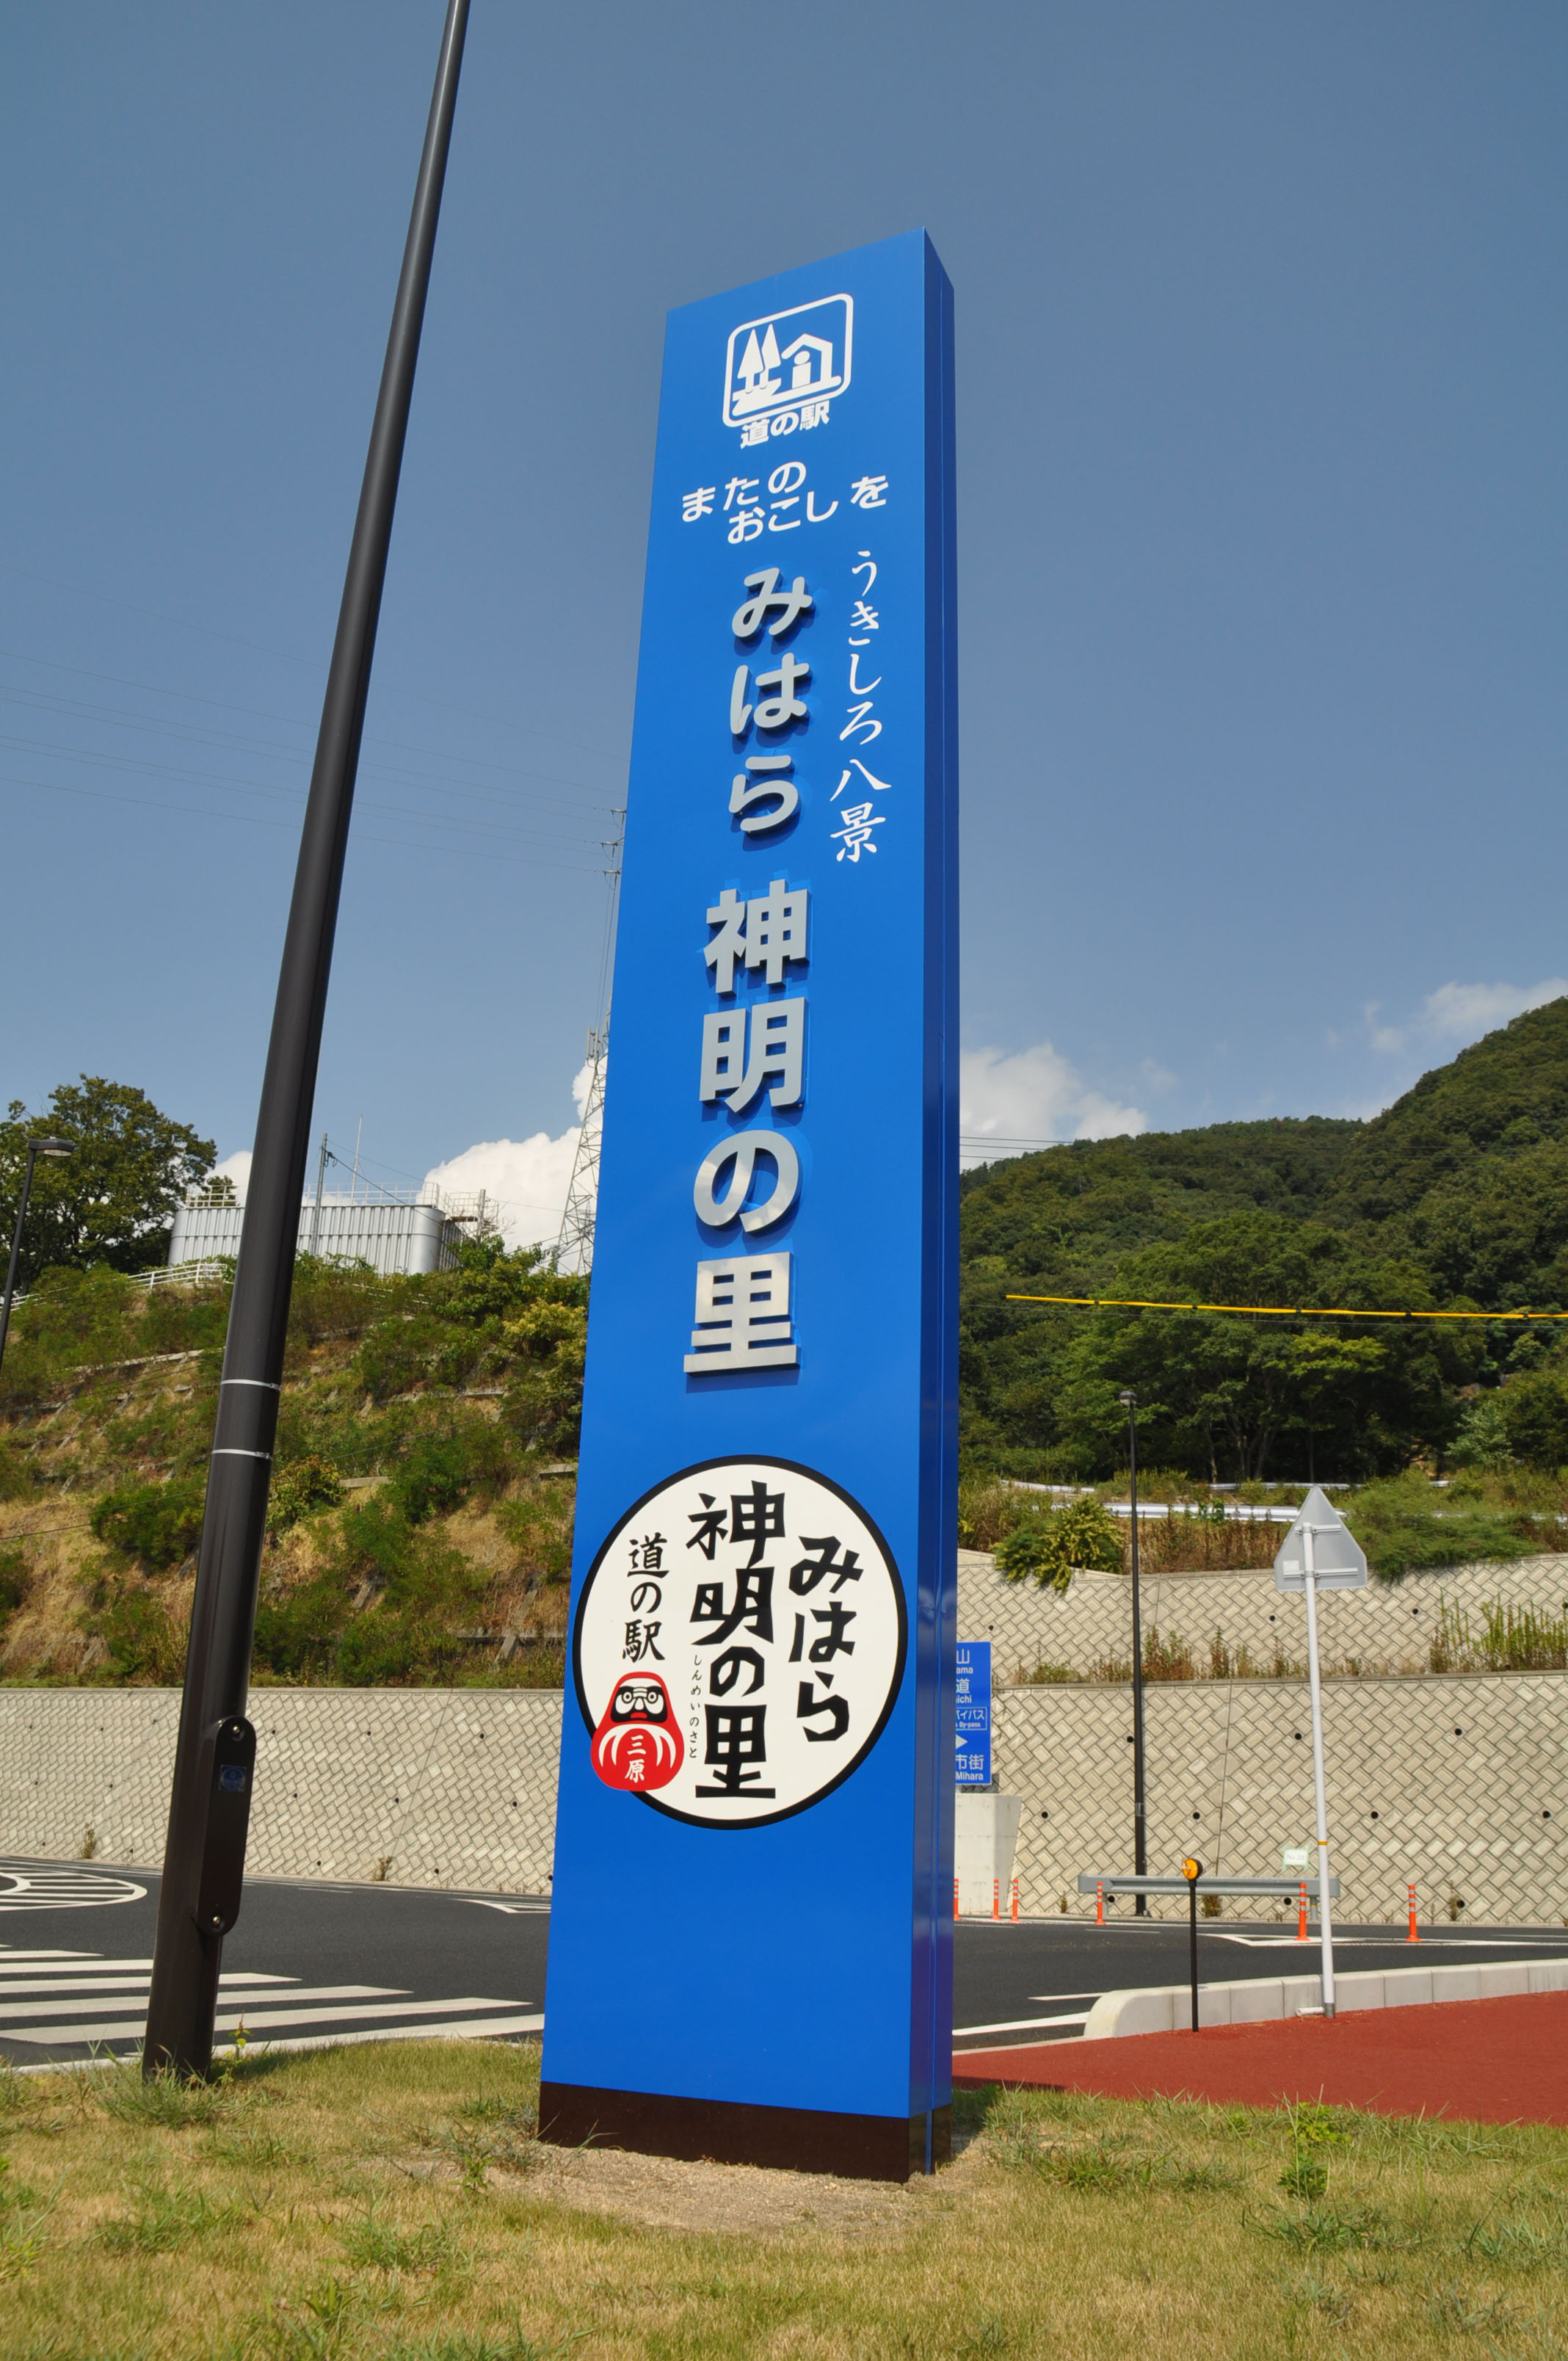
{"points": [[1338, 1561]]}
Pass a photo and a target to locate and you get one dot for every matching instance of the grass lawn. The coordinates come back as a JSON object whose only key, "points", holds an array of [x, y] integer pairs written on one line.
{"points": [[389, 2202]]}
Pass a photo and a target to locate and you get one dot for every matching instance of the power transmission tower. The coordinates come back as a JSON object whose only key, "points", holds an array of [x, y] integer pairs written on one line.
{"points": [[575, 1247]]}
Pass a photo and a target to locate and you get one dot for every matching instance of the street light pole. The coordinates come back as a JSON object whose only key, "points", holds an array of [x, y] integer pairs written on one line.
{"points": [[36, 1148], [1140, 1834], [209, 1805]]}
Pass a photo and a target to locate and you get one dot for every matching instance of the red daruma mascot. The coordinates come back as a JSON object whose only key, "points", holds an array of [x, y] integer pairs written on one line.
{"points": [[638, 1745]]}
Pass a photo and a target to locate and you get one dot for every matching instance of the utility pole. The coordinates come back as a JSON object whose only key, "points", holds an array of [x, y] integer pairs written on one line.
{"points": [[1140, 1830], [209, 1807], [321, 1184]]}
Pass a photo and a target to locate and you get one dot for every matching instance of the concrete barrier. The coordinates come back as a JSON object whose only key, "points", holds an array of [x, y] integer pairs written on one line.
{"points": [[1167, 2008]]}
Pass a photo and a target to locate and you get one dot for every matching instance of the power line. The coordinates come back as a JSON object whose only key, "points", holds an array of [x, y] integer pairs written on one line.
{"points": [[986, 1139], [291, 721], [75, 590]]}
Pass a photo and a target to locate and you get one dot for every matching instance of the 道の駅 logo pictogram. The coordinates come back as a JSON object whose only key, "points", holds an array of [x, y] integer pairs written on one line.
{"points": [[739, 1643], [781, 373]]}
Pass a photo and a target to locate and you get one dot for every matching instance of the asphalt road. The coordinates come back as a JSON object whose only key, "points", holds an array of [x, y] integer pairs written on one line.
{"points": [[1010, 1982], [311, 1962], [307, 1962]]}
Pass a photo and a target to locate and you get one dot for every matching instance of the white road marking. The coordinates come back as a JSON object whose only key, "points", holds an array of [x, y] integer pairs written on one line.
{"points": [[64, 1999], [241, 1999], [256, 2021], [1021, 2024]]}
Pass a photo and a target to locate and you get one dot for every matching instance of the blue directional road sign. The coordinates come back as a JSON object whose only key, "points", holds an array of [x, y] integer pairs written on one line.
{"points": [[971, 1712], [755, 1767]]}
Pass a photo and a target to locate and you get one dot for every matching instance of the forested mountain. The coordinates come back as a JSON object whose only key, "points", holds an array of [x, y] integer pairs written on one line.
{"points": [[1456, 1195]]}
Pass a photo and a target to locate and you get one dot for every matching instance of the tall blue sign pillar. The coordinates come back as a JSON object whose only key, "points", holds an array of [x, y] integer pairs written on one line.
{"points": [[751, 1930]]}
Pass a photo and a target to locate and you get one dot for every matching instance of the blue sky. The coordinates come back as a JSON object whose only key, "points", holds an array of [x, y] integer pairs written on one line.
{"points": [[1261, 361]]}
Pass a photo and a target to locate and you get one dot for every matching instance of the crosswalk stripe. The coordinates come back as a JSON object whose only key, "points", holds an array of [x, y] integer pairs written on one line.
{"points": [[130, 1983], [256, 2023], [479, 2028], [11, 1959], [241, 1999]]}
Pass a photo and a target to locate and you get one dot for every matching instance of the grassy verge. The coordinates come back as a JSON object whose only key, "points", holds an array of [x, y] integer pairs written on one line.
{"points": [[391, 2204]]}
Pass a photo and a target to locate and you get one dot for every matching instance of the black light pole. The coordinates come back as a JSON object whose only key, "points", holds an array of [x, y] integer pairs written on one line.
{"points": [[36, 1148], [1140, 1843], [209, 1807]]}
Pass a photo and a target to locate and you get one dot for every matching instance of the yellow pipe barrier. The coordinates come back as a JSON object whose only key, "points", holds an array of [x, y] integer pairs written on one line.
{"points": [[1273, 1311]]}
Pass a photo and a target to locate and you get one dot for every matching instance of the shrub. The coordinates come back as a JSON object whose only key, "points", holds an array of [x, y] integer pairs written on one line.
{"points": [[13, 1578], [1167, 1660], [1049, 1550], [72, 1318], [297, 1634], [539, 1526], [379, 1611], [15, 1481], [158, 1524], [396, 1353], [432, 1478], [143, 1641], [299, 1490], [1402, 1526]]}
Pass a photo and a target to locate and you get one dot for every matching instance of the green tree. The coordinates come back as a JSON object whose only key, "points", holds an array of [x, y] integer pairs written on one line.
{"points": [[1226, 1394], [114, 1200]]}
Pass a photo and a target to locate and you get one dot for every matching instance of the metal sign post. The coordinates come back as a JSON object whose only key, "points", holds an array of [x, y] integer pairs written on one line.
{"points": [[1193, 1870], [758, 1747], [1320, 1553]]}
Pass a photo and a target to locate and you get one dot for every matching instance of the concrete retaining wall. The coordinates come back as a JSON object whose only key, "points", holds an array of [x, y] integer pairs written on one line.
{"points": [[1385, 1628], [1459, 1783], [423, 1786]]}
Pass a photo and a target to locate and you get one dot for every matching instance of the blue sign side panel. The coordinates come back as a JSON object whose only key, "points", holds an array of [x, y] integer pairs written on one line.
{"points": [[806, 1963], [931, 2062]]}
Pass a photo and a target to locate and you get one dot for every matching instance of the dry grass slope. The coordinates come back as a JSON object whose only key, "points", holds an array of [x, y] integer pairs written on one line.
{"points": [[422, 1513]]}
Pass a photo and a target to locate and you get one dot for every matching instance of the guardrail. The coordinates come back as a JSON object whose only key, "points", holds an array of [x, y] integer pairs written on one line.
{"points": [[1092, 1882], [180, 1274]]}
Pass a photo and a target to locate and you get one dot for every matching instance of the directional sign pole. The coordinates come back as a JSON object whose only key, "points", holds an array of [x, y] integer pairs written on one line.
{"points": [[1325, 1908], [1320, 1553]]}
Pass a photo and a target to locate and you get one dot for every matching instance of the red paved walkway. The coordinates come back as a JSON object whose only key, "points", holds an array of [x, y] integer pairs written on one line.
{"points": [[1490, 2061]]}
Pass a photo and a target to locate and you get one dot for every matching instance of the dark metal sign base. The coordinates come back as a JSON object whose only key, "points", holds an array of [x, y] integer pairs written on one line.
{"points": [[722, 2131]]}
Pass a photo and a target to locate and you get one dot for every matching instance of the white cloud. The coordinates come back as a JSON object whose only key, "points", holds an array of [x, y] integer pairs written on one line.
{"points": [[1459, 1013], [1009, 1102], [524, 1180]]}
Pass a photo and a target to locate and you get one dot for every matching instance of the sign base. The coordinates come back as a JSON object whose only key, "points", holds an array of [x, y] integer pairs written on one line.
{"points": [[724, 2131]]}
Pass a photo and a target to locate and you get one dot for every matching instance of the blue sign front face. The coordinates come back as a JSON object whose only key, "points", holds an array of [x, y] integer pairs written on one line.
{"points": [[754, 1763], [971, 1712]]}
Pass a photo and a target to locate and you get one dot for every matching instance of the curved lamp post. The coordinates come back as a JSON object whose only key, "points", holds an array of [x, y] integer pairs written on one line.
{"points": [[52, 1149]]}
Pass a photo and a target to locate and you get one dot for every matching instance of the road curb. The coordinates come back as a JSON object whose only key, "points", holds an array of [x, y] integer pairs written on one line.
{"points": [[1167, 2008]]}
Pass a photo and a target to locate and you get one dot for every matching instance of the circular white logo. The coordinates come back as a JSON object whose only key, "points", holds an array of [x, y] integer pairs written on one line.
{"points": [[738, 1643]]}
